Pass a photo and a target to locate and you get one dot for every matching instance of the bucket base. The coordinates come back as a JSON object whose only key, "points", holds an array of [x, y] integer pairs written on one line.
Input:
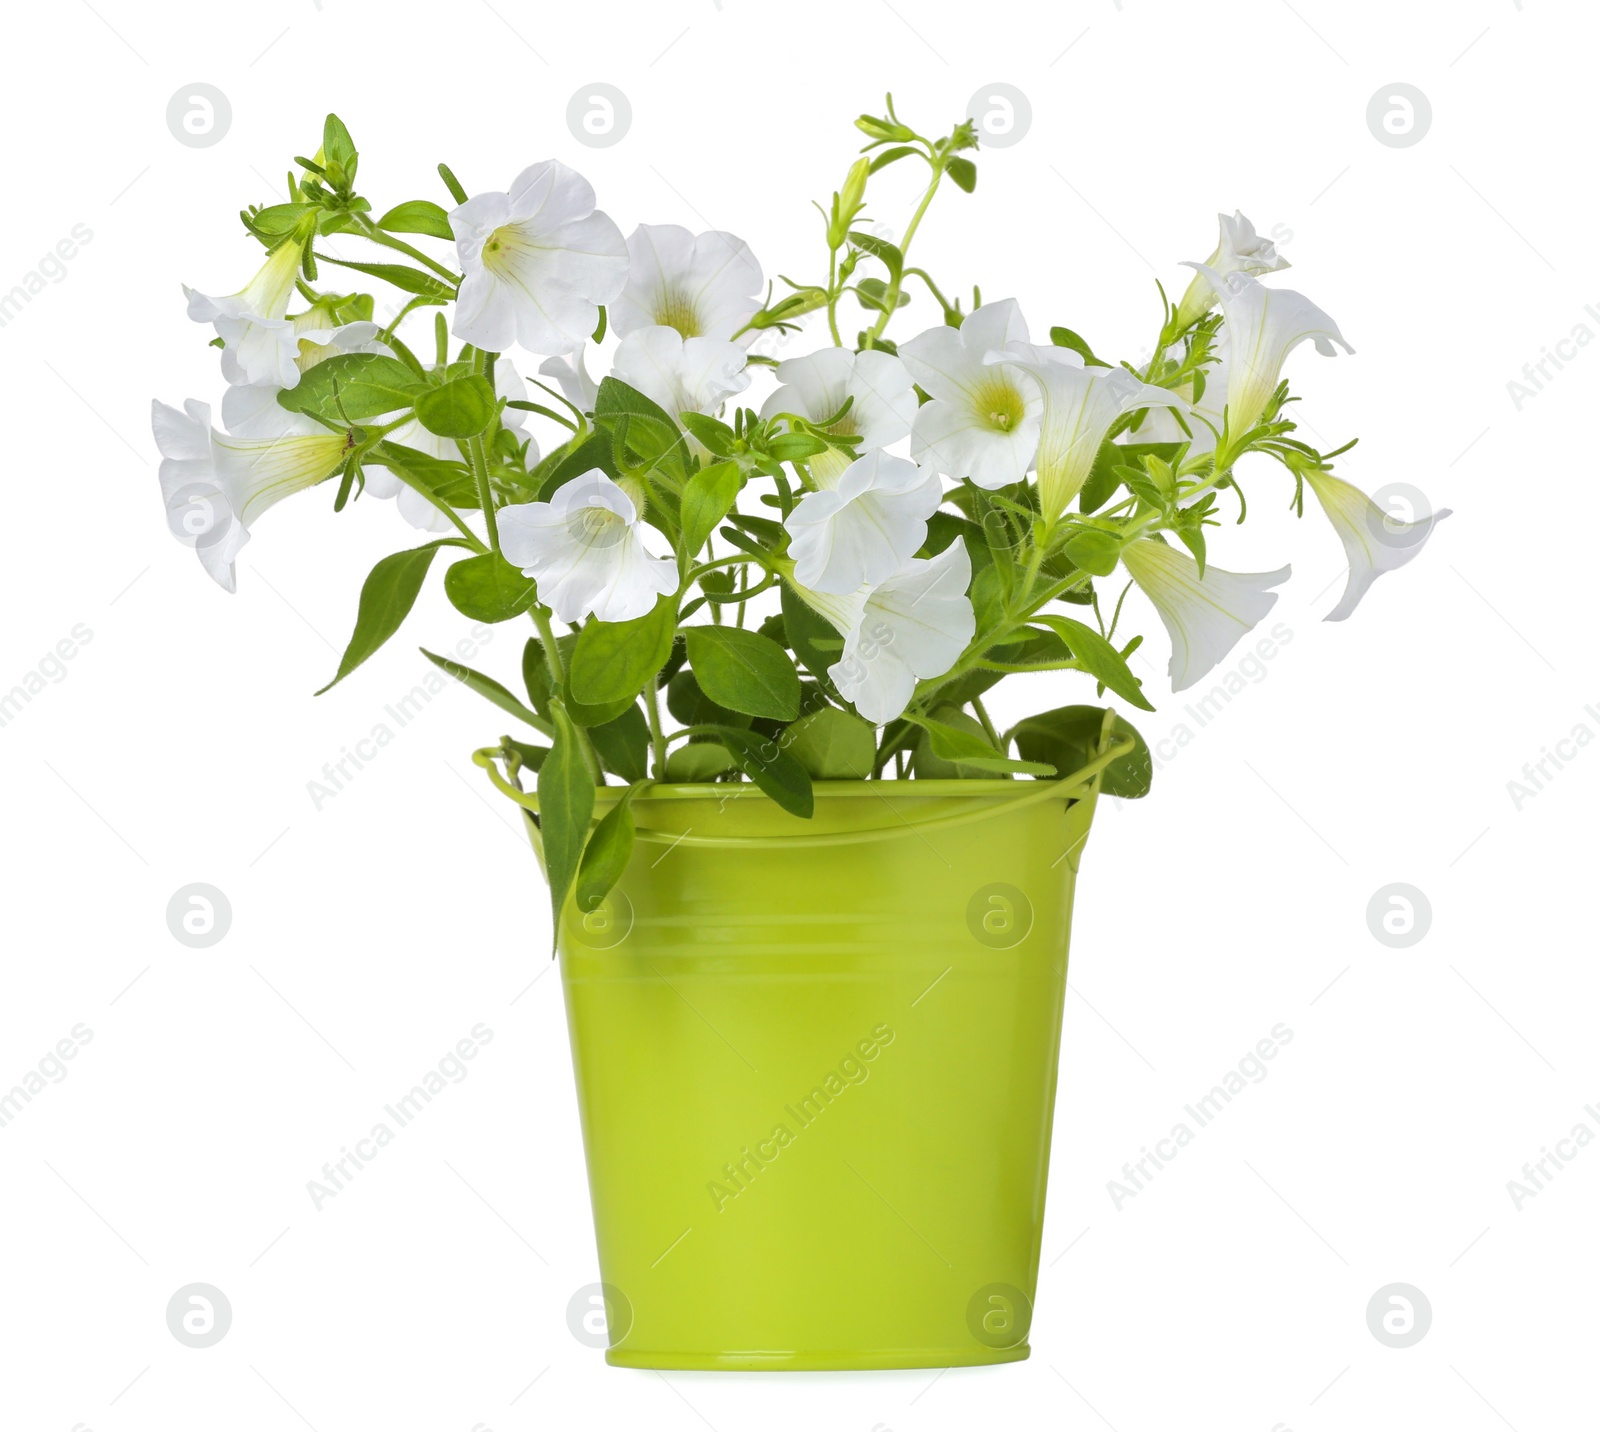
{"points": [[843, 1361]]}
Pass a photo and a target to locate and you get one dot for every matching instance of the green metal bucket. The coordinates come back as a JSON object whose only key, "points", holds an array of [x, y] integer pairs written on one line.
{"points": [[816, 1070]]}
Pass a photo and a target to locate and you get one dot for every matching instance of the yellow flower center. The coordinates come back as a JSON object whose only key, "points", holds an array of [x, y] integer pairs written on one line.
{"points": [[674, 309], [596, 527], [500, 250], [999, 404]]}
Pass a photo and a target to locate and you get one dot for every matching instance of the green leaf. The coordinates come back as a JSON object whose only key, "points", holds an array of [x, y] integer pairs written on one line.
{"points": [[417, 216], [646, 428], [279, 219], [490, 689], [887, 254], [962, 748], [888, 157], [690, 705], [927, 766], [566, 803], [1099, 658], [714, 434], [401, 276], [874, 294], [368, 384], [1066, 338], [387, 597], [814, 639], [1103, 479], [706, 500], [697, 761], [536, 675], [605, 858], [337, 145], [1069, 737], [964, 172], [744, 671], [614, 661], [488, 588], [1095, 551], [532, 757], [833, 745], [623, 744], [458, 409], [772, 768], [572, 460]]}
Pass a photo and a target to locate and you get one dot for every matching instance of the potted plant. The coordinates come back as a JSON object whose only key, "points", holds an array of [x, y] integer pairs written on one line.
{"points": [[812, 901]]}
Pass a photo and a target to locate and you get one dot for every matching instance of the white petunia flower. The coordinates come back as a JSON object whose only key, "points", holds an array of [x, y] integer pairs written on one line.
{"points": [[260, 344], [1262, 327], [703, 285], [215, 486], [1204, 619], [537, 263], [907, 629], [571, 373], [1080, 405], [411, 504], [865, 529], [586, 550], [681, 375], [878, 386], [983, 422], [1373, 541], [1239, 250]]}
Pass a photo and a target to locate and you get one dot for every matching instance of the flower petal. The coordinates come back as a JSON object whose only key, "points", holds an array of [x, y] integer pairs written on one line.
{"points": [[1373, 542], [1205, 619]]}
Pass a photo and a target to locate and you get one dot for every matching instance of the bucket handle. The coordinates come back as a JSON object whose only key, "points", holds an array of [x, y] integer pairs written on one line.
{"points": [[1090, 774]]}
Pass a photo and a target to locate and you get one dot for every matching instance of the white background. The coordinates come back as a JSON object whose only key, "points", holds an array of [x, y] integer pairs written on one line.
{"points": [[369, 936]]}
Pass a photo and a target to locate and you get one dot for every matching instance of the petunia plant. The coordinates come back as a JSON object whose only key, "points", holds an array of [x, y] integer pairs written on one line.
{"points": [[822, 585]]}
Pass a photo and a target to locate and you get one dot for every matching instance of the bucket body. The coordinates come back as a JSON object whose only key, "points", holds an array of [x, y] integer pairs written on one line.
{"points": [[816, 1081]]}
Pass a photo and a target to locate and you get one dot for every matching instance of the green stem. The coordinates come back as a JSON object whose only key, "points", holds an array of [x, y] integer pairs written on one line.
{"points": [[547, 635], [833, 298], [371, 231], [658, 739], [480, 471], [480, 463], [444, 507], [987, 724], [892, 297], [552, 655]]}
